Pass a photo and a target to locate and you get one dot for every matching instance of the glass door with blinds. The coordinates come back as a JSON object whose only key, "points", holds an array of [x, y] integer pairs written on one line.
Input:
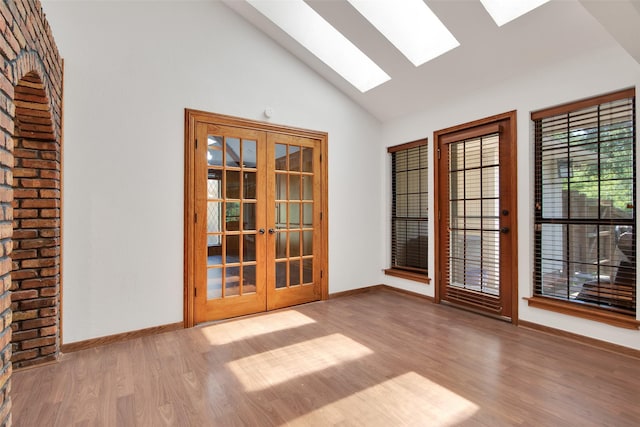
{"points": [[476, 203], [253, 220]]}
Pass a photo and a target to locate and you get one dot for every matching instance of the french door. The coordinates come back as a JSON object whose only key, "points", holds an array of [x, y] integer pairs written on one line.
{"points": [[476, 186], [256, 239]]}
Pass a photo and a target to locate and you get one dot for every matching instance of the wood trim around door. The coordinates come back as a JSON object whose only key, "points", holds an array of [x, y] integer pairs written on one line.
{"points": [[192, 117], [464, 131]]}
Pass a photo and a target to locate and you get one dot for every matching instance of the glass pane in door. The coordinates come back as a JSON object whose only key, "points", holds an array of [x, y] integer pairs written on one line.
{"points": [[294, 215], [231, 216], [474, 237]]}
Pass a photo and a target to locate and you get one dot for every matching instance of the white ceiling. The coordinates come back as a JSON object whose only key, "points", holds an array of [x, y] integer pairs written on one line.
{"points": [[487, 53]]}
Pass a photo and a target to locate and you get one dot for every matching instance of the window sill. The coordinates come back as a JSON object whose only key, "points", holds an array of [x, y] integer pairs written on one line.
{"points": [[409, 275], [571, 309]]}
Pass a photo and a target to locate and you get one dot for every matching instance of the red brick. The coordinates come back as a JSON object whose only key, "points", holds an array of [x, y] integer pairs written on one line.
{"points": [[48, 331], [41, 203], [25, 234], [39, 145], [24, 335], [50, 194], [25, 355], [24, 274], [48, 312], [39, 323], [41, 223], [50, 213], [5, 301], [26, 213], [53, 156], [39, 243], [39, 183], [25, 315], [21, 254], [22, 295], [20, 155], [49, 272], [50, 232], [51, 349], [50, 252], [35, 263], [24, 173], [25, 193], [50, 291], [38, 342], [40, 164], [50, 174], [36, 303]]}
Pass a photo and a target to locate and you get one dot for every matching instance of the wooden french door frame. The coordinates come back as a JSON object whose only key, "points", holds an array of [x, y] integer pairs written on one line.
{"points": [[505, 124], [192, 119]]}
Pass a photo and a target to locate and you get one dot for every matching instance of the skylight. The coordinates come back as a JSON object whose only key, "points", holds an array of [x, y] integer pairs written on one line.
{"points": [[410, 26], [503, 11], [312, 31]]}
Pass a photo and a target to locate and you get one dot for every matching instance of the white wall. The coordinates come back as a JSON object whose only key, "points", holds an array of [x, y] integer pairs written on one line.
{"points": [[602, 71], [130, 70]]}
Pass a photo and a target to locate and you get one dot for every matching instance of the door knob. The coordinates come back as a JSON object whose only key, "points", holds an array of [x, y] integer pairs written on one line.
{"points": [[261, 231], [272, 231], [504, 230]]}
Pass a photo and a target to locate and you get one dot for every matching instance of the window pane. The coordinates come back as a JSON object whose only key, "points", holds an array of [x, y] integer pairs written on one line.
{"points": [[214, 283], [233, 184], [281, 157], [249, 153], [249, 248], [409, 209], [307, 159], [248, 216], [249, 182], [294, 158], [214, 150], [585, 219], [249, 279], [233, 152], [214, 184], [231, 281]]}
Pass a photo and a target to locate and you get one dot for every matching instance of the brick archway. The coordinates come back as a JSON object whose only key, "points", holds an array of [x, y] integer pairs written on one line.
{"points": [[35, 296]]}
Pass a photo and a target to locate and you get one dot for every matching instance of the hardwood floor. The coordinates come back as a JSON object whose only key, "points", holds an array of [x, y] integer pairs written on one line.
{"points": [[375, 359]]}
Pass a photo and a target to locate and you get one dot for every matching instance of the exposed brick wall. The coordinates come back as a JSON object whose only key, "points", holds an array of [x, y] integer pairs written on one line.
{"points": [[35, 287], [30, 87]]}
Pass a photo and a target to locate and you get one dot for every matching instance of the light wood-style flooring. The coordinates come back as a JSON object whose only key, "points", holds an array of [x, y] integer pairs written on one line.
{"points": [[375, 359]]}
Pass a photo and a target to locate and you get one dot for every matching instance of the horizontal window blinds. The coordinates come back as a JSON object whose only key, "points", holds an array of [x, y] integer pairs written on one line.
{"points": [[409, 220], [585, 204]]}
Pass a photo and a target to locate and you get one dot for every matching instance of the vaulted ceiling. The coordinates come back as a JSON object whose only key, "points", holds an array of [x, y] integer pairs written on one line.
{"points": [[487, 54]]}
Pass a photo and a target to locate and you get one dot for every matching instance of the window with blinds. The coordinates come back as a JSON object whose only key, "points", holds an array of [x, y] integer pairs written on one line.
{"points": [[585, 203], [409, 221]]}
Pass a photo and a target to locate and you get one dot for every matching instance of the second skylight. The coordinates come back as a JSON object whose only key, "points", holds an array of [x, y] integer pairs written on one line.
{"points": [[312, 31], [410, 26]]}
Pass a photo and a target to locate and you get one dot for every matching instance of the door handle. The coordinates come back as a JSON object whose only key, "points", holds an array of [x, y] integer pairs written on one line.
{"points": [[261, 231], [504, 230], [272, 231]]}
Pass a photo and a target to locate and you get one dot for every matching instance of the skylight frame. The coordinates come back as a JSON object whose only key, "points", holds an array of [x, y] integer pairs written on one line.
{"points": [[505, 11], [410, 25], [314, 33]]}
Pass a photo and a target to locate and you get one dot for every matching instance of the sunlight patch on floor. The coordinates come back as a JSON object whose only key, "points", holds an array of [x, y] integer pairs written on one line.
{"points": [[264, 370], [238, 330], [408, 399]]}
